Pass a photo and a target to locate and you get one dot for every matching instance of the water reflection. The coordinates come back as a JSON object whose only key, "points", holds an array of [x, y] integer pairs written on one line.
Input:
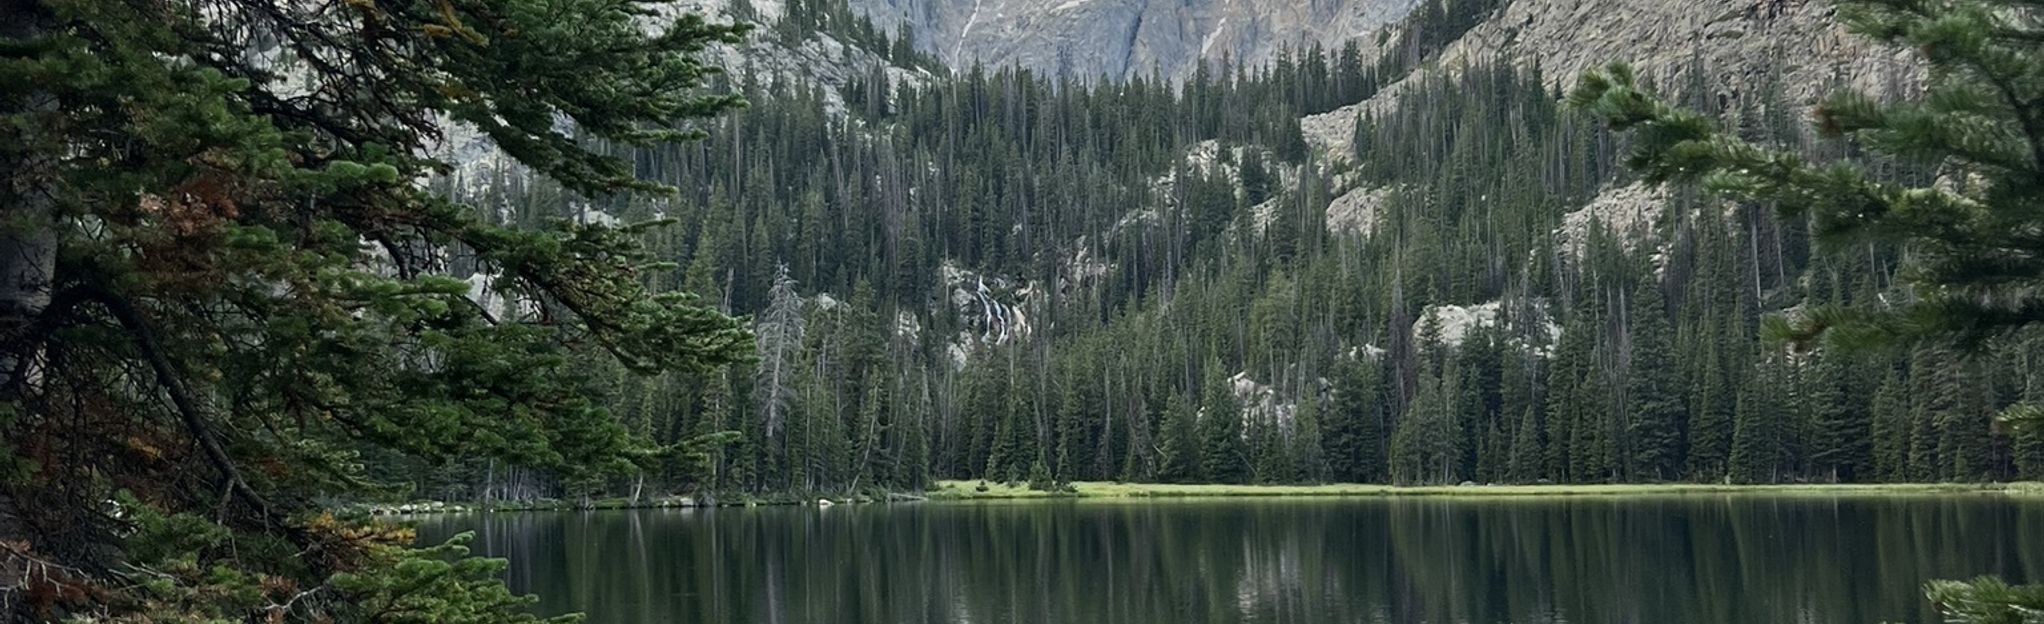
{"points": [[1659, 560]]}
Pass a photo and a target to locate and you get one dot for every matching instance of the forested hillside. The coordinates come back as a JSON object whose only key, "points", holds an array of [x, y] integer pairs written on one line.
{"points": [[994, 274]]}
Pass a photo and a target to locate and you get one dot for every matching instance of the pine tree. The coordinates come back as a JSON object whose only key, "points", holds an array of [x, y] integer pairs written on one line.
{"points": [[1354, 440], [1223, 457], [1713, 404], [1568, 391], [1525, 456], [1308, 458], [1595, 449], [1424, 448], [1269, 457], [1074, 450], [714, 418], [870, 461], [2026, 421], [1015, 448], [1654, 399], [913, 472], [1843, 446], [1891, 429], [1178, 454], [252, 281], [1479, 375], [1934, 392], [1965, 432], [779, 334], [1756, 426]]}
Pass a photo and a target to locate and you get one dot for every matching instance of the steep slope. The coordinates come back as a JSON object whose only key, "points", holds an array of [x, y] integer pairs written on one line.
{"points": [[1736, 44], [1128, 38], [1012, 275], [815, 60]]}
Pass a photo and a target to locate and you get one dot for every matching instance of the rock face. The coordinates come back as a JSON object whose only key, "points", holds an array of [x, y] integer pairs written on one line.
{"points": [[816, 60], [1735, 48], [1456, 321], [1356, 212], [1735, 44], [1126, 38], [1628, 212]]}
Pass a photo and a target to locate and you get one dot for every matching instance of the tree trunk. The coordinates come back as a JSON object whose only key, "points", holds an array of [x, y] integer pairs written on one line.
{"points": [[490, 485], [28, 225]]}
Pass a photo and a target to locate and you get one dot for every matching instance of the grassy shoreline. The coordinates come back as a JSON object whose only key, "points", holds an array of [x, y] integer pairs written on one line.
{"points": [[969, 490]]}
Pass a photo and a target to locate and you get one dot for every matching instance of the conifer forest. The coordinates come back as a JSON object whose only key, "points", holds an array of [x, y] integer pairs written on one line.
{"points": [[272, 273]]}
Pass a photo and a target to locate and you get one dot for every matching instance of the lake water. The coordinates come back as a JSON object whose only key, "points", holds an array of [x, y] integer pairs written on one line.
{"points": [[1655, 560]]}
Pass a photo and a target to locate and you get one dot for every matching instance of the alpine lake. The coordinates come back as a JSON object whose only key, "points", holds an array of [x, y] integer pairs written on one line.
{"points": [[1648, 559]]}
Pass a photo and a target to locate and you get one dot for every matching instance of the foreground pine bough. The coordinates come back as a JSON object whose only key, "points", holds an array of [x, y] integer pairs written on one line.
{"points": [[1973, 236], [223, 289]]}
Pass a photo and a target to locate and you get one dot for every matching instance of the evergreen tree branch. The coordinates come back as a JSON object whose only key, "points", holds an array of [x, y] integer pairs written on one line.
{"points": [[192, 411]]}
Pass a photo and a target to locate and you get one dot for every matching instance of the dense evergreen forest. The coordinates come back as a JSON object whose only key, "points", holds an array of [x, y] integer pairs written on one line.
{"points": [[266, 264], [1000, 275]]}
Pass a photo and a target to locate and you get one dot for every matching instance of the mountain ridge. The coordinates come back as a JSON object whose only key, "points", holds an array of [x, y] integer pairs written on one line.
{"points": [[1122, 39]]}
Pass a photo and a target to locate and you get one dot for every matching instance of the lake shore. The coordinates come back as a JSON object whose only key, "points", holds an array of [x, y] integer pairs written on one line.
{"points": [[972, 490]]}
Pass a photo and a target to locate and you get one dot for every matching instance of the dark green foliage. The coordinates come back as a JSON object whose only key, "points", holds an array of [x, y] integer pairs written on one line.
{"points": [[1972, 273], [1713, 403], [251, 306], [1354, 440], [1223, 456], [1978, 119], [1988, 600], [2027, 419], [1178, 443], [1308, 454], [1653, 395], [1891, 429], [1757, 424], [1136, 250], [1843, 438], [1425, 446]]}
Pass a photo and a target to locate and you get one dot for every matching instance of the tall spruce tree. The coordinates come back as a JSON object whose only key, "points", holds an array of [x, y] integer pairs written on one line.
{"points": [[1756, 426], [1843, 440], [1891, 429], [1223, 454], [1353, 424], [1178, 449], [1425, 447], [1713, 404], [1653, 395], [2027, 422], [1309, 460]]}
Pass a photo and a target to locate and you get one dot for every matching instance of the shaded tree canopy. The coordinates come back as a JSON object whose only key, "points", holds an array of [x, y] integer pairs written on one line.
{"points": [[226, 284]]}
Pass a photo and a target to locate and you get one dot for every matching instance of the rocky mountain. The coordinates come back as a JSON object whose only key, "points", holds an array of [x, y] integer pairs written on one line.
{"points": [[982, 255], [1736, 44], [1126, 38], [1737, 49]]}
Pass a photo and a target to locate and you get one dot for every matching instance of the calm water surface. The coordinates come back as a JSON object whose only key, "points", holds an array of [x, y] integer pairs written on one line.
{"points": [[1672, 560]]}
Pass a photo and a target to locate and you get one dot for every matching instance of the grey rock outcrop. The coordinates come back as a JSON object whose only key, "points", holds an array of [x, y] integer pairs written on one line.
{"points": [[1735, 48], [1087, 39]]}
